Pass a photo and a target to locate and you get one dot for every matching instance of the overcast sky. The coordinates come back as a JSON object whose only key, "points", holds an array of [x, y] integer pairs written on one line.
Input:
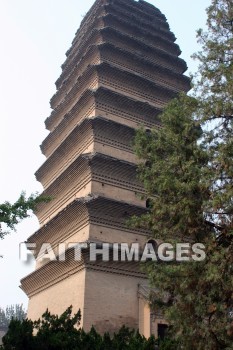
{"points": [[34, 36]]}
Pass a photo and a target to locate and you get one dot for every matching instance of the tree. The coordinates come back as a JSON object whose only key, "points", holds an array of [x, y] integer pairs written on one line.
{"points": [[187, 171], [63, 332], [11, 312], [12, 214]]}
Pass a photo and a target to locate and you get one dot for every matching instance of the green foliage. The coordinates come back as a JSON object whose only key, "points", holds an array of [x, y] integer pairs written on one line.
{"points": [[12, 214], [214, 76], [54, 333], [19, 336], [16, 312], [168, 344], [172, 171], [187, 171]]}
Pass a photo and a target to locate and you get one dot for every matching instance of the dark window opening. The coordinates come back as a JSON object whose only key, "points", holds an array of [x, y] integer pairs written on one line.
{"points": [[149, 203], [162, 328]]}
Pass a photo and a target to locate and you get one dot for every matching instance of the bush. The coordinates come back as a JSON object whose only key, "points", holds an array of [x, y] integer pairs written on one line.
{"points": [[62, 333]]}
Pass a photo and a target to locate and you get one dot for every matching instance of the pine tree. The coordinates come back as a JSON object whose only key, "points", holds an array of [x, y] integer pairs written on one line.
{"points": [[187, 171], [53, 332]]}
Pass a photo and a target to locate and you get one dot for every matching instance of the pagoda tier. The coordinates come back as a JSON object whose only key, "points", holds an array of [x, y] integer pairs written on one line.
{"points": [[121, 38], [109, 104], [122, 69], [91, 173], [130, 44], [155, 24], [124, 60], [124, 23], [40, 279], [92, 135], [115, 79], [93, 218], [72, 276]]}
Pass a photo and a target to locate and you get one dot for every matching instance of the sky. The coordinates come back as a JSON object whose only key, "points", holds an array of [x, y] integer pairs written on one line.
{"points": [[34, 36]]}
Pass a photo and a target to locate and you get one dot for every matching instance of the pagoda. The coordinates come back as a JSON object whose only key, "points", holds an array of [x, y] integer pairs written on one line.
{"points": [[121, 70]]}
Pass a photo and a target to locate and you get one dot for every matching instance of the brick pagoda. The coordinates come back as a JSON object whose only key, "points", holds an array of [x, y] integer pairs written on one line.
{"points": [[121, 70]]}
